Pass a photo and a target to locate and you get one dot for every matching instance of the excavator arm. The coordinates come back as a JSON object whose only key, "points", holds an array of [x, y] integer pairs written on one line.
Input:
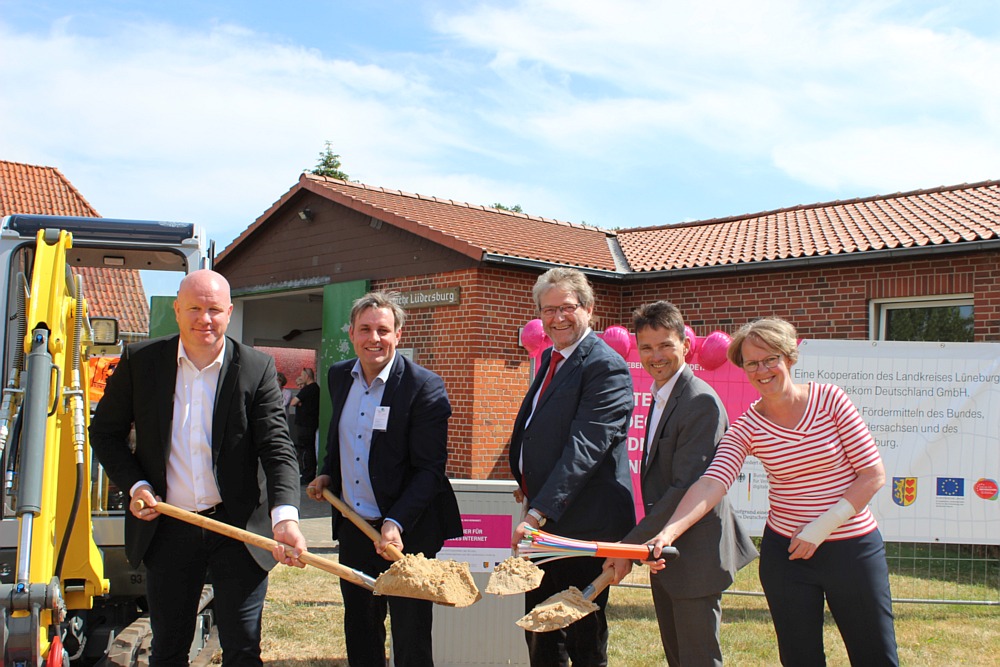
{"points": [[43, 425]]}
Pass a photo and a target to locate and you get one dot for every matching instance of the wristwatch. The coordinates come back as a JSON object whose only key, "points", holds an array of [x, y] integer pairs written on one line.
{"points": [[539, 517]]}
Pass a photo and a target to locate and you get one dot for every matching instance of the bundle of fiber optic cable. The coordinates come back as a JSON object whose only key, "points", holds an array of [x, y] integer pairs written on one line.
{"points": [[540, 546]]}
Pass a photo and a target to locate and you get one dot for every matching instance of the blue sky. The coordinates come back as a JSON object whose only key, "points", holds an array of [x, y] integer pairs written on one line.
{"points": [[617, 114]]}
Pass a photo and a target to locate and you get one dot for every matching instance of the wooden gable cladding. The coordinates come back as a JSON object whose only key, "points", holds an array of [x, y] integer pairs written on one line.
{"points": [[336, 244]]}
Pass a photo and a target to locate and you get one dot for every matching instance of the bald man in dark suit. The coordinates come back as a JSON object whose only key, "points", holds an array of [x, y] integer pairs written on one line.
{"points": [[210, 437]]}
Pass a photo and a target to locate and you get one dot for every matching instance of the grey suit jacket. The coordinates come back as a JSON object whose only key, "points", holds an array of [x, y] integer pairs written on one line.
{"points": [[712, 550], [575, 463], [253, 457]]}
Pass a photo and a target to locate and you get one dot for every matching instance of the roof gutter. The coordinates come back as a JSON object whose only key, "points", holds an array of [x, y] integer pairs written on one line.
{"points": [[821, 260], [525, 263], [281, 287]]}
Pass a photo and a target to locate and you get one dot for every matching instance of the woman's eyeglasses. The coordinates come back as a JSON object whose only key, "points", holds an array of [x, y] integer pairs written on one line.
{"points": [[766, 362]]}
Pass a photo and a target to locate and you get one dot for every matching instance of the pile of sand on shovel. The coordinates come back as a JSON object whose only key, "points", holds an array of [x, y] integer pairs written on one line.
{"points": [[443, 581], [514, 575], [559, 611]]}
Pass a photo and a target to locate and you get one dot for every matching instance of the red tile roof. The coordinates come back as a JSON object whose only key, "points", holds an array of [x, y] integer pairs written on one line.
{"points": [[937, 217], [921, 218], [470, 229], [31, 189], [25, 188]]}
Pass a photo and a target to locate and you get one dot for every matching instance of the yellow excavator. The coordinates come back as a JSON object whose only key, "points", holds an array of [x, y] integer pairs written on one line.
{"points": [[67, 591]]}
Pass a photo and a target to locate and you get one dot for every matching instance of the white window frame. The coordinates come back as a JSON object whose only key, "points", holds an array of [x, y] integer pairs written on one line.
{"points": [[878, 307]]}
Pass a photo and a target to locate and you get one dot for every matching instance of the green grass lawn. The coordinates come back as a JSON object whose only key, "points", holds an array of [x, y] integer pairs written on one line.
{"points": [[304, 615]]}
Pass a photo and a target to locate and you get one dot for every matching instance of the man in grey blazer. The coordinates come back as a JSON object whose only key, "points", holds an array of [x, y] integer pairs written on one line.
{"points": [[685, 424], [568, 454]]}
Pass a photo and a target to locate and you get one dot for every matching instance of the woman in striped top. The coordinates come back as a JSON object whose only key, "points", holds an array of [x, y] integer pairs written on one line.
{"points": [[821, 541]]}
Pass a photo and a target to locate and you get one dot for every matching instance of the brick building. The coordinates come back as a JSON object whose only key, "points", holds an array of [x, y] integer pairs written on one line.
{"points": [[840, 270]]}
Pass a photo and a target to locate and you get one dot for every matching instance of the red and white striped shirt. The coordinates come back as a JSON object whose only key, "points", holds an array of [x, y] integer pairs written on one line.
{"points": [[809, 467]]}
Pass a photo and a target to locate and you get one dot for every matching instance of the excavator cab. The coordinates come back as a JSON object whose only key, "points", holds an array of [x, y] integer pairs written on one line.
{"points": [[67, 590]]}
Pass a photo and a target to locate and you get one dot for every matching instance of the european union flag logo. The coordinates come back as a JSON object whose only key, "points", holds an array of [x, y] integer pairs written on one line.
{"points": [[951, 486]]}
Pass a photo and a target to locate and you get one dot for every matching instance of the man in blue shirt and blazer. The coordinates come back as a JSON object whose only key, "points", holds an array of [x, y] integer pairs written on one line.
{"points": [[385, 457]]}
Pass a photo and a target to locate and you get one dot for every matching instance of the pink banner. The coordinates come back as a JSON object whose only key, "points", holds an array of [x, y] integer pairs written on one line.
{"points": [[728, 381], [483, 531]]}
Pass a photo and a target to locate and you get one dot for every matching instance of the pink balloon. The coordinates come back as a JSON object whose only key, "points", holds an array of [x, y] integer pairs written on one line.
{"points": [[695, 342], [712, 352], [533, 337], [619, 339]]}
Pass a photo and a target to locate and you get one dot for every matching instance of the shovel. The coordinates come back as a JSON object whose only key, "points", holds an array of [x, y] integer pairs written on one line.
{"points": [[566, 607], [342, 571], [514, 575], [444, 582]]}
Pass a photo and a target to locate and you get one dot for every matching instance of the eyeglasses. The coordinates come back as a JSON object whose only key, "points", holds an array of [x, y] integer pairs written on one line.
{"points": [[565, 309], [766, 362]]}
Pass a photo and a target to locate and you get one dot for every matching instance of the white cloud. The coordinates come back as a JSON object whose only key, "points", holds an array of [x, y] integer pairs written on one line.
{"points": [[780, 79], [520, 102], [209, 125], [884, 160]]}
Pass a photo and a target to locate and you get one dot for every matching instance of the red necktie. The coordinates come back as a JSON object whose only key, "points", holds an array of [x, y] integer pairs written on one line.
{"points": [[553, 363]]}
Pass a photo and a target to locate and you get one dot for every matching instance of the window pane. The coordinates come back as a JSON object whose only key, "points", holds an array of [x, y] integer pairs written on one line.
{"points": [[943, 323]]}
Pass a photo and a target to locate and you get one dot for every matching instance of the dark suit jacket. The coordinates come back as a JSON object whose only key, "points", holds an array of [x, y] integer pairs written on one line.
{"points": [[713, 549], [249, 436], [575, 463], [407, 460]]}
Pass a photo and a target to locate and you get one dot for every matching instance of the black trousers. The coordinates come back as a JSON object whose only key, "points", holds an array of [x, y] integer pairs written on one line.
{"points": [[585, 642], [305, 449], [364, 613], [177, 563], [852, 577]]}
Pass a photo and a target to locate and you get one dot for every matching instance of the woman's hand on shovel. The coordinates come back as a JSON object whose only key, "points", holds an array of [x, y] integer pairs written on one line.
{"points": [[658, 542], [287, 533]]}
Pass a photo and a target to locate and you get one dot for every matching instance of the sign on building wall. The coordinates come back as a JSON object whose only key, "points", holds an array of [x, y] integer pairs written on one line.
{"points": [[449, 296]]}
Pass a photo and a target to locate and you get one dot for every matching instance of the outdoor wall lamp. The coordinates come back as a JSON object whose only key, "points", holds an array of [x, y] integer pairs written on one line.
{"points": [[306, 215]]}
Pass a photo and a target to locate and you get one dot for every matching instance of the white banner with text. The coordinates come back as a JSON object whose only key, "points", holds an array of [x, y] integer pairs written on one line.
{"points": [[934, 410]]}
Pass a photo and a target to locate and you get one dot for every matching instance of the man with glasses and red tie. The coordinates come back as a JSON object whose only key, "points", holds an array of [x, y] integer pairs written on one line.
{"points": [[568, 454]]}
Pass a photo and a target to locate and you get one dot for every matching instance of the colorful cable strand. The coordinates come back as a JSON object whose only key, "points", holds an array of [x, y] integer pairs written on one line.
{"points": [[540, 546]]}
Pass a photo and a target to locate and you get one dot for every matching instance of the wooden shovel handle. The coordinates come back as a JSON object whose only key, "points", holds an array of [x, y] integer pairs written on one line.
{"points": [[595, 587], [256, 540], [359, 521]]}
